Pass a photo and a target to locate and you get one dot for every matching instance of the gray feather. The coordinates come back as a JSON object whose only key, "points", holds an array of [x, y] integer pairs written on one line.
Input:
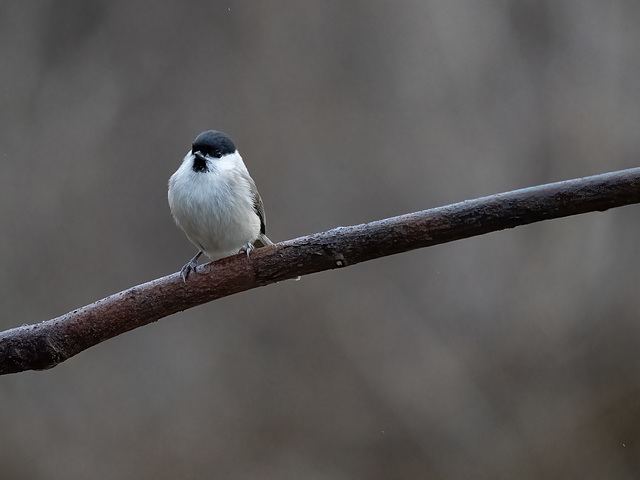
{"points": [[258, 206]]}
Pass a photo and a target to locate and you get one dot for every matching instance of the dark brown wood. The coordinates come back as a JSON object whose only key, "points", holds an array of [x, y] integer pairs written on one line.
{"points": [[46, 344]]}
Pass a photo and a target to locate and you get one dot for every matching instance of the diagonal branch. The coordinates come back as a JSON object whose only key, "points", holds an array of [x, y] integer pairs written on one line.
{"points": [[44, 345]]}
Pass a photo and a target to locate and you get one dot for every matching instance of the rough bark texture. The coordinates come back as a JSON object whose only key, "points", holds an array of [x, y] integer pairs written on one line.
{"points": [[44, 345]]}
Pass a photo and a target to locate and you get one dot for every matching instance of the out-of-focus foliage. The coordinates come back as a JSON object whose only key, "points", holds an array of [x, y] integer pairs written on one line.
{"points": [[513, 355]]}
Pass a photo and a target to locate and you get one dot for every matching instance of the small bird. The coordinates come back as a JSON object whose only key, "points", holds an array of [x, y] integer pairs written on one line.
{"points": [[214, 200]]}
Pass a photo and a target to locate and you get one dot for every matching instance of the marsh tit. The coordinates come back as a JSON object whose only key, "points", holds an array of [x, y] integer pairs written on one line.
{"points": [[214, 200]]}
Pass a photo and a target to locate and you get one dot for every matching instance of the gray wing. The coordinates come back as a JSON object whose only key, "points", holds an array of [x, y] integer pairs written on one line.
{"points": [[258, 206]]}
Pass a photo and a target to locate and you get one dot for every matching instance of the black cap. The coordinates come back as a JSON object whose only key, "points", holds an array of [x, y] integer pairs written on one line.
{"points": [[213, 143]]}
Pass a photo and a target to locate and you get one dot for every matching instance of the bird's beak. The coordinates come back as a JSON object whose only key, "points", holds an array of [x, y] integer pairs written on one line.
{"points": [[199, 155]]}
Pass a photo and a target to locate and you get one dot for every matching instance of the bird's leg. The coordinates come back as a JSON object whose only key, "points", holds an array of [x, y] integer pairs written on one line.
{"points": [[248, 248], [193, 263]]}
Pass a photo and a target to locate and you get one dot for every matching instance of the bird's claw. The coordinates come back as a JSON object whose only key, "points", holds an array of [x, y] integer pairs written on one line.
{"points": [[193, 263], [187, 269], [248, 248]]}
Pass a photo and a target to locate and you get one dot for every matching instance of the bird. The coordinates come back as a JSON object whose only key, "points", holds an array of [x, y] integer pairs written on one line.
{"points": [[215, 202]]}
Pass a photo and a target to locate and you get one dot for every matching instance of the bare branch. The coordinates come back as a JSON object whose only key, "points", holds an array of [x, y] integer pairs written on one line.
{"points": [[44, 345]]}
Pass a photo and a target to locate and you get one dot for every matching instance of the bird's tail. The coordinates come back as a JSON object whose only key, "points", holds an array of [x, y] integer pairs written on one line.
{"points": [[263, 240]]}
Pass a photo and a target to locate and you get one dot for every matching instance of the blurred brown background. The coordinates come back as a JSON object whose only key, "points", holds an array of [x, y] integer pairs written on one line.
{"points": [[513, 355]]}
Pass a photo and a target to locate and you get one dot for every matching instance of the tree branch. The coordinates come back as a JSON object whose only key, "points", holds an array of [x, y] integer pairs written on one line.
{"points": [[46, 344]]}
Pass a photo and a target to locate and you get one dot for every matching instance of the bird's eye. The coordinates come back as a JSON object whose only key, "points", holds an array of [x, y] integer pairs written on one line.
{"points": [[217, 153]]}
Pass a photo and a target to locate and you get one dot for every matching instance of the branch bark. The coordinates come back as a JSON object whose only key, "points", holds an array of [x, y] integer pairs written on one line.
{"points": [[46, 344]]}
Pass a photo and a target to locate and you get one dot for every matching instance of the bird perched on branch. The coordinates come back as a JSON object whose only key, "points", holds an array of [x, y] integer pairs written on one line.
{"points": [[214, 200]]}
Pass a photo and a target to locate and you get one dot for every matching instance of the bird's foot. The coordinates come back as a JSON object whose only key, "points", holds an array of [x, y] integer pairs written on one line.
{"points": [[189, 267], [248, 248]]}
